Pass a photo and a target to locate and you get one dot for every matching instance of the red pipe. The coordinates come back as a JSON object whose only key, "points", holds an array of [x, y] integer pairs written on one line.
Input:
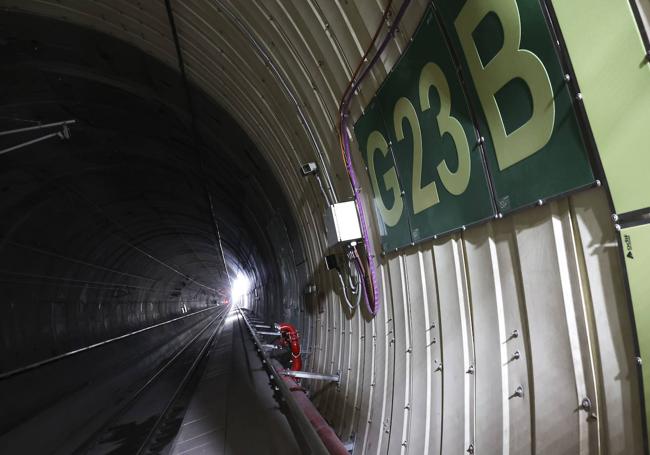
{"points": [[294, 343], [325, 432]]}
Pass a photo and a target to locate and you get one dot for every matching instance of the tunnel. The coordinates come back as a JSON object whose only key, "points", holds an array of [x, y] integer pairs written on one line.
{"points": [[324, 226]]}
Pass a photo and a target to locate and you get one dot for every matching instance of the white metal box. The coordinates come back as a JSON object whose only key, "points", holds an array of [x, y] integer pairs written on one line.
{"points": [[342, 223]]}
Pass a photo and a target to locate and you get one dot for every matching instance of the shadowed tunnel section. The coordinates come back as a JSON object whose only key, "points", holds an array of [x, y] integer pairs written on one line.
{"points": [[112, 230]]}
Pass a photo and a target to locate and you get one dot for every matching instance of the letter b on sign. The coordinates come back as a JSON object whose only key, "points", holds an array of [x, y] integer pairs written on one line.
{"points": [[509, 63]]}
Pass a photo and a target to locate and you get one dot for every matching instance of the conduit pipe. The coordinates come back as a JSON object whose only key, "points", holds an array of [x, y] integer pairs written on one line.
{"points": [[372, 298], [294, 343], [325, 432]]}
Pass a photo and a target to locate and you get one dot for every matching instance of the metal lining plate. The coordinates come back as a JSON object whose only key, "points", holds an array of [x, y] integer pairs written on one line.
{"points": [[636, 249]]}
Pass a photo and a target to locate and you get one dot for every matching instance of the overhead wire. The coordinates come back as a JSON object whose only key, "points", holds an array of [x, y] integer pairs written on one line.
{"points": [[195, 133]]}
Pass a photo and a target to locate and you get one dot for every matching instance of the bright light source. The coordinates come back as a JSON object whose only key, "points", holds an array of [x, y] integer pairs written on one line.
{"points": [[240, 286]]}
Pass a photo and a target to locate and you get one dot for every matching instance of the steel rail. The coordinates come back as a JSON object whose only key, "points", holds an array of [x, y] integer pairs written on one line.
{"points": [[88, 444], [301, 426], [40, 363], [186, 379]]}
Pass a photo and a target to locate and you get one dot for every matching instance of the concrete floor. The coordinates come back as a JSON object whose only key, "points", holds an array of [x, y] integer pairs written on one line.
{"points": [[233, 410]]}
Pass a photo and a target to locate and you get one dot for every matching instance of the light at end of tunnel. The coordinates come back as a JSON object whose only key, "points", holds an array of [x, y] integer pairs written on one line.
{"points": [[240, 286]]}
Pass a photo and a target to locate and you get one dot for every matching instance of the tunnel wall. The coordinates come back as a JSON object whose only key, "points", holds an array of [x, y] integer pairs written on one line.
{"points": [[111, 231], [552, 273]]}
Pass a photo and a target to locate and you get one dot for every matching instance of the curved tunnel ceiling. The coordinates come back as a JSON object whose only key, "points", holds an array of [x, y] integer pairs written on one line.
{"points": [[121, 212], [278, 68]]}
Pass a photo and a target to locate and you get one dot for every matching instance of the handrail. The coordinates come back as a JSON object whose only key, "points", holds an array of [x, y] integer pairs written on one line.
{"points": [[300, 424], [40, 363]]}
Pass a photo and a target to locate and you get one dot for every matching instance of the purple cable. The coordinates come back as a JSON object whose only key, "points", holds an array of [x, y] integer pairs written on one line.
{"points": [[373, 308]]}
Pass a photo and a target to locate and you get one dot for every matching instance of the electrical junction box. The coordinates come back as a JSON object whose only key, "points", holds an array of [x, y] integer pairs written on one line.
{"points": [[342, 223]]}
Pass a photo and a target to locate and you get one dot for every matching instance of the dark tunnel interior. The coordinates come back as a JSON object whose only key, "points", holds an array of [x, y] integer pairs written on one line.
{"points": [[112, 230]]}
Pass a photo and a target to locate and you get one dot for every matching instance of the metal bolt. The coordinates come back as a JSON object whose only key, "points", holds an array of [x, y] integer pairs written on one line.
{"points": [[403, 193], [585, 404], [464, 228], [599, 183], [470, 370], [519, 392], [614, 217], [540, 202], [516, 355], [481, 140], [617, 227], [579, 96], [499, 215], [515, 333], [470, 449], [639, 361], [567, 77]]}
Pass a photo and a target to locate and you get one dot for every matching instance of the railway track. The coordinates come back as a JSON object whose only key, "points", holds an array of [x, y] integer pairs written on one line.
{"points": [[148, 419]]}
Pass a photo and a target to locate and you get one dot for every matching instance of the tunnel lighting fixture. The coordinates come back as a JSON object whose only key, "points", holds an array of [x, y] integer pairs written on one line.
{"points": [[240, 286], [309, 168]]}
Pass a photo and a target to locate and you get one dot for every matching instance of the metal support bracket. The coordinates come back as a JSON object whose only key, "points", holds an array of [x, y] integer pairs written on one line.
{"points": [[63, 134], [309, 375]]}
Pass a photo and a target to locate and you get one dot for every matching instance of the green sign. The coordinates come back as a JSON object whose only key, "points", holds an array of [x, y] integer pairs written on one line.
{"points": [[434, 141], [390, 205], [512, 93], [525, 109]]}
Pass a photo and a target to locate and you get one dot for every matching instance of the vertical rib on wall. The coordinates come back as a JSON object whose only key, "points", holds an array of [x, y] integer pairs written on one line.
{"points": [[534, 303]]}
